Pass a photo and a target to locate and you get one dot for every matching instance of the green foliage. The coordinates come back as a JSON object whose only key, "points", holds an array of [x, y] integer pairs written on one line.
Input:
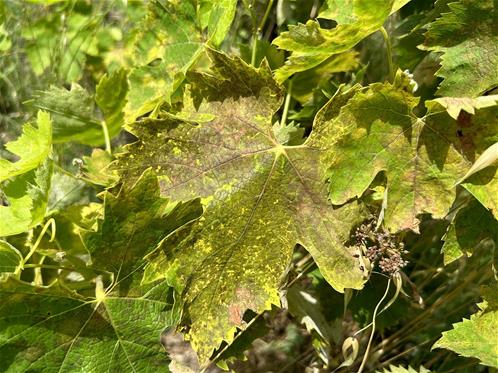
{"points": [[264, 177], [476, 337]]}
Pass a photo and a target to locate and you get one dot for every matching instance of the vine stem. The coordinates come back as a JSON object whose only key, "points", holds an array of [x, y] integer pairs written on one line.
{"points": [[365, 356], [50, 222], [389, 50], [257, 33]]}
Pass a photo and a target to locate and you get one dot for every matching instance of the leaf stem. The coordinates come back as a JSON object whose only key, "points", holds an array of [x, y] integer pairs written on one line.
{"points": [[389, 51], [365, 356], [107, 140], [286, 105], [257, 32]]}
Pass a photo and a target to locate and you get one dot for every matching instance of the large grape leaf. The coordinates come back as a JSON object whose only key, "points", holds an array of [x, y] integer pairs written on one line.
{"points": [[261, 197], [53, 329], [477, 336], [374, 130], [32, 147], [170, 41], [467, 37], [311, 45]]}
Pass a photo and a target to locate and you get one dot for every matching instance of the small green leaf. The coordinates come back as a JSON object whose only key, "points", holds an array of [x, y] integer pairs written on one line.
{"points": [[32, 147], [110, 96], [26, 199], [10, 258], [477, 336], [469, 26]]}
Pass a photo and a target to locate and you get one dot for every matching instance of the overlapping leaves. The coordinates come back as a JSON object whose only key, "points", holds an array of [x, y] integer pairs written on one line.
{"points": [[54, 328], [374, 130], [221, 147]]}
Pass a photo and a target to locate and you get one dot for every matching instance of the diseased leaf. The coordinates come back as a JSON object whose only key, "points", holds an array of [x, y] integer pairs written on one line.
{"points": [[10, 258], [476, 337], [374, 130], [135, 222], [311, 45], [455, 105], [467, 37], [32, 147], [486, 159], [221, 147]]}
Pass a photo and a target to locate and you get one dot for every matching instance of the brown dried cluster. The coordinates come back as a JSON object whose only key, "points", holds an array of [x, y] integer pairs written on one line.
{"points": [[381, 247]]}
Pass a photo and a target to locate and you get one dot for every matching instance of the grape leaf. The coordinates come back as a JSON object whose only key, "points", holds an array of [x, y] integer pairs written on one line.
{"points": [[374, 130], [476, 337], [473, 227], [10, 258], [73, 111], [32, 147], [170, 41], [27, 198], [467, 37], [261, 198], [55, 329], [311, 45]]}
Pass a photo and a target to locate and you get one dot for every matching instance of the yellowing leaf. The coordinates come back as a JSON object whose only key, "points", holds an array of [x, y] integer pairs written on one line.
{"points": [[261, 197], [311, 45], [374, 130]]}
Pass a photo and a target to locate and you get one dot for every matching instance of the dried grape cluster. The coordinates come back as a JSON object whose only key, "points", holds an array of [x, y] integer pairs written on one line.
{"points": [[381, 246]]}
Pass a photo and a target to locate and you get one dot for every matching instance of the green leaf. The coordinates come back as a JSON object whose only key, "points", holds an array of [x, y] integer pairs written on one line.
{"points": [[472, 228], [471, 25], [53, 329], [374, 130], [110, 96], [72, 114], [476, 337], [10, 258], [260, 198], [26, 200], [32, 147], [170, 41], [311, 45]]}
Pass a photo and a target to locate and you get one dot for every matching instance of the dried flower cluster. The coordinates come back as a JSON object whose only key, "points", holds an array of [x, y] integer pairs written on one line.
{"points": [[382, 247]]}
